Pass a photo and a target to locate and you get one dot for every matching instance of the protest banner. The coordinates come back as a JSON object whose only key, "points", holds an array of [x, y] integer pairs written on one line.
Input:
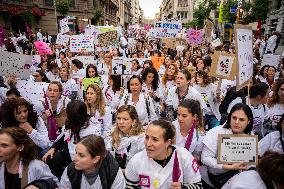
{"points": [[86, 60], [90, 81], [16, 64], [233, 148], [36, 60], [244, 40], [194, 37], [167, 29], [32, 91], [62, 39], [64, 28], [169, 42], [271, 60], [223, 65], [121, 67], [82, 43], [107, 39], [42, 48], [216, 42], [157, 61]]}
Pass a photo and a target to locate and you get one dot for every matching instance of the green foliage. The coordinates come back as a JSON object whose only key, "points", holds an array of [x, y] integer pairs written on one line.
{"points": [[227, 15], [260, 8], [62, 6], [202, 12], [192, 24], [27, 16], [97, 15]]}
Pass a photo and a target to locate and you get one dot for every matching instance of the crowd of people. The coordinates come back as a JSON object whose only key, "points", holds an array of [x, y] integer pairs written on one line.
{"points": [[128, 133]]}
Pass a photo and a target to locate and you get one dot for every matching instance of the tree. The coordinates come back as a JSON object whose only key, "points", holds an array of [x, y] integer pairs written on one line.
{"points": [[202, 12], [97, 16], [260, 9], [62, 6]]}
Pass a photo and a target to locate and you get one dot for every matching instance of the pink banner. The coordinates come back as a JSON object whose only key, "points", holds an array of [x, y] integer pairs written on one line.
{"points": [[194, 37], [42, 48]]}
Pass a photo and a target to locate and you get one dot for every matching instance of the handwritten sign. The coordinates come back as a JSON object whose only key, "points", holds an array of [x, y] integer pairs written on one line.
{"points": [[62, 39], [120, 67], [271, 60], [157, 61], [64, 28], [223, 65], [181, 42], [194, 37], [86, 60], [169, 42], [32, 91], [90, 81], [17, 64], [216, 42], [167, 29], [237, 149], [42, 48], [243, 38], [36, 60], [108, 39], [82, 43]]}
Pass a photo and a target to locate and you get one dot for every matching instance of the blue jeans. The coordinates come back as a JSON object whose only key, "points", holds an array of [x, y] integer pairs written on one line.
{"points": [[211, 121]]}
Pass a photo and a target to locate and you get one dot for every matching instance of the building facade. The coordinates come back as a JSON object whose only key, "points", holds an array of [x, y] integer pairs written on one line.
{"points": [[15, 15]]}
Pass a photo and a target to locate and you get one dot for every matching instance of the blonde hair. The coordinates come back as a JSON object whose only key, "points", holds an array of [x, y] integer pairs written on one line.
{"points": [[100, 101], [67, 70], [135, 130]]}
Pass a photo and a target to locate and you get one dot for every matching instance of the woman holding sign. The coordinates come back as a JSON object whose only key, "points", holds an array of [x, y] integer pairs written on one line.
{"points": [[156, 166], [240, 121]]}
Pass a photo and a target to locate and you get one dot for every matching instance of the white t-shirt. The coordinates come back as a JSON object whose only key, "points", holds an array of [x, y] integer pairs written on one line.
{"points": [[274, 114], [270, 142], [245, 180], [153, 175]]}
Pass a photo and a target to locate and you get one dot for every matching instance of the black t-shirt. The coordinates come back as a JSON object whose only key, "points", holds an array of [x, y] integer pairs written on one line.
{"points": [[164, 162], [12, 181]]}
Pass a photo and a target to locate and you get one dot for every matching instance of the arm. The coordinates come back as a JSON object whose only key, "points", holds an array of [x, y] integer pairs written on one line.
{"points": [[208, 158], [40, 135], [131, 176]]}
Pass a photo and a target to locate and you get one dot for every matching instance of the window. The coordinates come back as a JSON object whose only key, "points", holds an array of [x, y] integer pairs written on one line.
{"points": [[182, 3], [48, 3], [72, 3]]}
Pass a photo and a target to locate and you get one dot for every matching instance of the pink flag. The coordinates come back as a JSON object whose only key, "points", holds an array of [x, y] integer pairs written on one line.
{"points": [[176, 169], [42, 48]]}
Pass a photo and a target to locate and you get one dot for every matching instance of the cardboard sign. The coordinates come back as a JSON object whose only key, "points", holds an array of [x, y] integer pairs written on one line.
{"points": [[82, 43], [121, 67], [64, 28], [17, 64], [108, 39], [86, 60], [169, 42], [237, 148], [194, 37], [223, 65], [157, 61], [62, 39], [42, 48], [90, 81], [181, 42], [167, 29], [216, 42], [32, 91], [244, 44], [271, 60]]}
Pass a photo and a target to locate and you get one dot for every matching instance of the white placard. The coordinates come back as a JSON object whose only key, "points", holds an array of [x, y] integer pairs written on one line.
{"points": [[237, 149], [82, 43], [271, 60], [140, 60], [86, 60], [62, 39], [17, 64], [64, 28], [215, 43], [224, 65], [244, 55], [36, 60], [119, 67], [167, 29], [32, 91]]}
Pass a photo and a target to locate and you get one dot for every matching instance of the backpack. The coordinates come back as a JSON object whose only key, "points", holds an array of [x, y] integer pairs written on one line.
{"points": [[107, 172]]}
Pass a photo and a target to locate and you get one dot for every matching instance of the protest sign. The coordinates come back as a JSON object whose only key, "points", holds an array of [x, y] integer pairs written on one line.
{"points": [[208, 28], [32, 91], [17, 64], [181, 42], [86, 60], [157, 61], [107, 39], [62, 39], [147, 27], [216, 42], [64, 28], [271, 60], [223, 65], [169, 42], [90, 81], [140, 60], [104, 79], [194, 37], [121, 67], [243, 39], [167, 29], [82, 43], [36, 60], [131, 42], [42, 48], [234, 148]]}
